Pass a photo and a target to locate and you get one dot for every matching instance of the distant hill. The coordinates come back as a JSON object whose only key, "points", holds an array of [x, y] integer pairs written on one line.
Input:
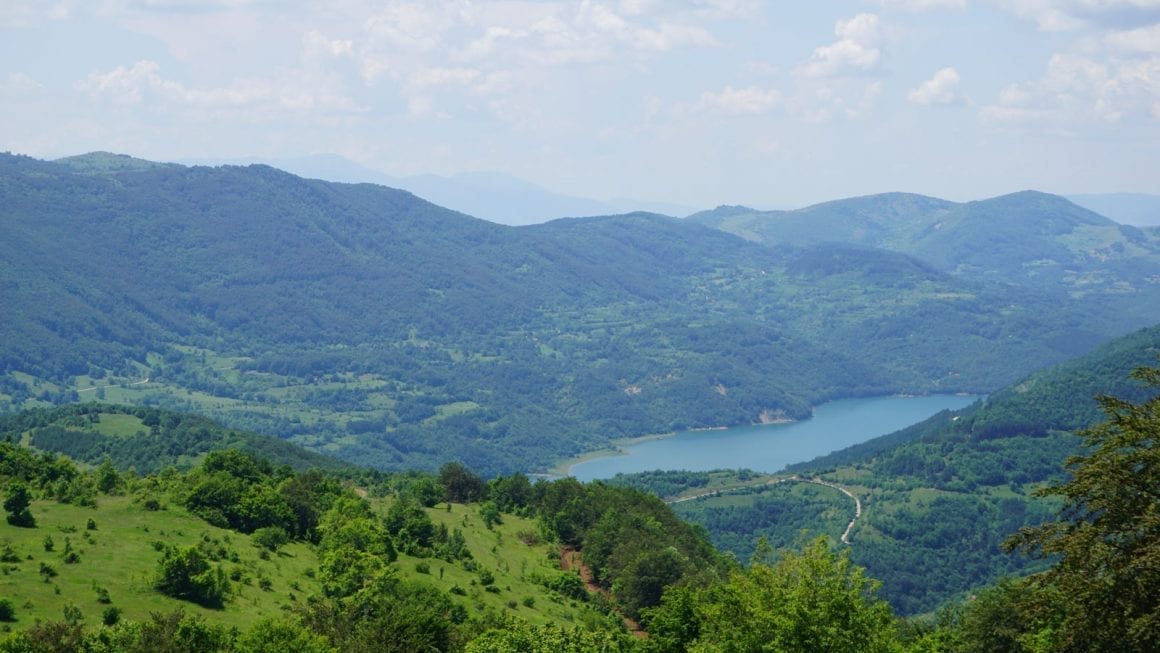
{"points": [[369, 324], [148, 439], [493, 196], [1030, 239], [1139, 209]]}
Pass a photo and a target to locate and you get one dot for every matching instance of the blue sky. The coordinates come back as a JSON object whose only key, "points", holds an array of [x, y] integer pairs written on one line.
{"points": [[770, 104]]}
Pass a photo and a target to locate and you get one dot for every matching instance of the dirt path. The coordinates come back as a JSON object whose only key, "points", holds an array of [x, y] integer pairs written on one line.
{"points": [[123, 385], [570, 560]]}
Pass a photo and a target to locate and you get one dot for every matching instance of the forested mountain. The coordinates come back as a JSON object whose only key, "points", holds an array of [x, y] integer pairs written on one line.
{"points": [[940, 497], [1029, 239], [367, 323]]}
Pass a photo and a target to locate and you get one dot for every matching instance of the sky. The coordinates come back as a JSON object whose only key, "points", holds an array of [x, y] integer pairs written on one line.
{"points": [[700, 103]]}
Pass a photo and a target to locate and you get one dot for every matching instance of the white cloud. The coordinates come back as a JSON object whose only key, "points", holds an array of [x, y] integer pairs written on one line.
{"points": [[743, 101], [855, 50], [315, 45], [922, 5], [1049, 15], [1142, 40], [1078, 90], [18, 85], [939, 89], [291, 90], [1060, 15]]}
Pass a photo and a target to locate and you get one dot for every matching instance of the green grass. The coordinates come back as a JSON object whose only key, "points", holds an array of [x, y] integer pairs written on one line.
{"points": [[513, 553], [119, 556], [119, 425]]}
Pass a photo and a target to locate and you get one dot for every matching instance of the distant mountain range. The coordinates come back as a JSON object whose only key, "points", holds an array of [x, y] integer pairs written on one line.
{"points": [[1029, 238], [1138, 209], [493, 196], [365, 322]]}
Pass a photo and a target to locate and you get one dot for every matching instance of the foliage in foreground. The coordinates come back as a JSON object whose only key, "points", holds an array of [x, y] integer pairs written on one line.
{"points": [[1103, 591], [816, 600], [1099, 594]]}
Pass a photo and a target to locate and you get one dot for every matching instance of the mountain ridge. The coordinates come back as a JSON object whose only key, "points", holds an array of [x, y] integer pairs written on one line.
{"points": [[370, 324]]}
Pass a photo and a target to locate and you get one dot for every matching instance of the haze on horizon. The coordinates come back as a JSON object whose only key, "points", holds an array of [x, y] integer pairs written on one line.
{"points": [[695, 103]]}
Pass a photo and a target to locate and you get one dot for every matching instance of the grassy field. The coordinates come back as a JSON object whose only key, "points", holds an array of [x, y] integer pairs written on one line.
{"points": [[514, 554], [120, 557], [116, 548]]}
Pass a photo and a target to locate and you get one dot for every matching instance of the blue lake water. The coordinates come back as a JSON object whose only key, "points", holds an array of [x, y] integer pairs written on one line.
{"points": [[768, 448]]}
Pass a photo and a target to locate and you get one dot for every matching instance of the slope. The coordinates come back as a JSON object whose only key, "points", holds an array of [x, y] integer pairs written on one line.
{"points": [[369, 324], [1030, 239], [939, 497]]}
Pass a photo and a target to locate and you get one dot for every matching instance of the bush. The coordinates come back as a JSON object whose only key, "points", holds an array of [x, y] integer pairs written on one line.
{"points": [[16, 504], [186, 574], [271, 537], [47, 571], [7, 610], [111, 615]]}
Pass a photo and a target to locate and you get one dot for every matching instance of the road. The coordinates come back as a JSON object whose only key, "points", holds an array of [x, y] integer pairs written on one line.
{"points": [[817, 481], [124, 385]]}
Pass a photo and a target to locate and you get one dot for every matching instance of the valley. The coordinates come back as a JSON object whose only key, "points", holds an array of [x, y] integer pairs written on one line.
{"points": [[283, 410], [363, 322]]}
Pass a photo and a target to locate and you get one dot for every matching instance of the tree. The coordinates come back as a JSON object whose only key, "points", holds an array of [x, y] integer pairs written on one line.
{"points": [[460, 485], [185, 573], [277, 636], [108, 480], [16, 505], [1104, 590], [816, 600], [518, 635], [270, 537]]}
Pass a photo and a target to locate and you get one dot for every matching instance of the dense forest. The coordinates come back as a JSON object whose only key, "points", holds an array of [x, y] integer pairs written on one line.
{"points": [[363, 322], [237, 554]]}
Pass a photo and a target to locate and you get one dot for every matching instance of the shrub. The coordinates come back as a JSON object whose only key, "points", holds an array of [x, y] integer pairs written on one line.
{"points": [[271, 537], [186, 573], [7, 610]]}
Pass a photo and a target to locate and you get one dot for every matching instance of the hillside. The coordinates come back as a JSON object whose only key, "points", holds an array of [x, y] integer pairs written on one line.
{"points": [[106, 550], [366, 323], [1030, 239], [939, 497], [148, 440]]}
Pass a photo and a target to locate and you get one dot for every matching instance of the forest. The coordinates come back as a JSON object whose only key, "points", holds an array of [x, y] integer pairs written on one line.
{"points": [[366, 323], [236, 553]]}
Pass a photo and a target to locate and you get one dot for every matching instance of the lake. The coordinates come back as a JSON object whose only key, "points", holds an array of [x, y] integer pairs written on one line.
{"points": [[768, 448]]}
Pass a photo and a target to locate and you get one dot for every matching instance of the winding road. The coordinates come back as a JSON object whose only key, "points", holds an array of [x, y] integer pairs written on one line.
{"points": [[816, 481]]}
